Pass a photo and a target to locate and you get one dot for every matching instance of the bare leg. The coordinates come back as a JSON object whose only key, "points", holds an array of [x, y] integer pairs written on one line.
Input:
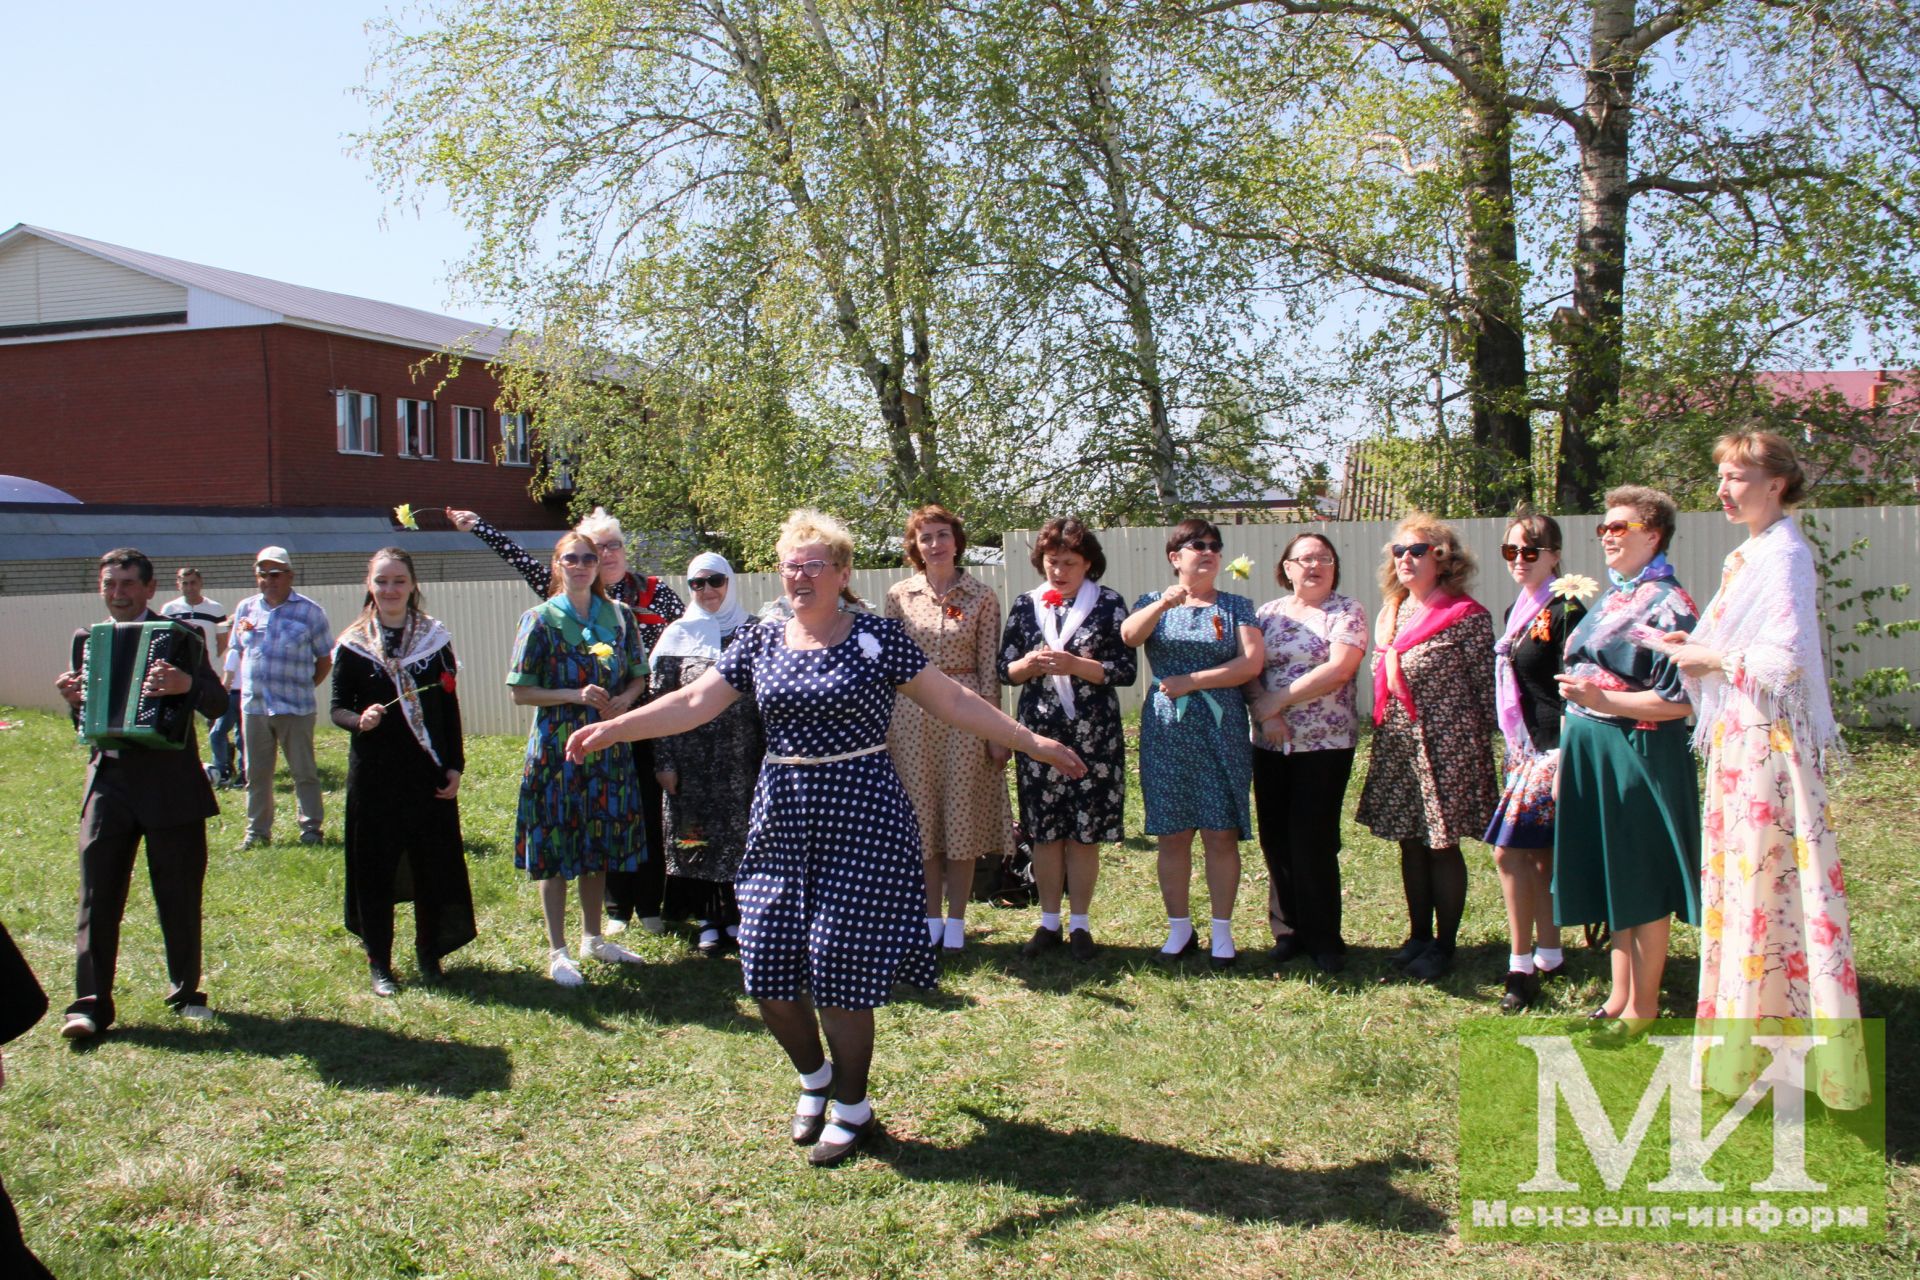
{"points": [[1618, 998], [1050, 874], [850, 1036], [1176, 871], [1223, 870], [553, 905], [1082, 872], [1545, 932], [1648, 960], [935, 868], [1518, 890], [797, 1030], [593, 892], [959, 878]]}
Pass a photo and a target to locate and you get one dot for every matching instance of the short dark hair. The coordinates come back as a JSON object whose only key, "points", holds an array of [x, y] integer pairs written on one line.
{"points": [[129, 558], [186, 568], [1653, 507], [1542, 530], [1064, 535], [1280, 570], [1189, 529]]}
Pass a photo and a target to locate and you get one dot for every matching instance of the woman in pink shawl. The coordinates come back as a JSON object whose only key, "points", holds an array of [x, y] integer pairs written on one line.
{"points": [[1430, 778]]}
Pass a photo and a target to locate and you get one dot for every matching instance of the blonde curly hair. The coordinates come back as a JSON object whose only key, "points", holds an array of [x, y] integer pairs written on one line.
{"points": [[805, 524], [1450, 556]]}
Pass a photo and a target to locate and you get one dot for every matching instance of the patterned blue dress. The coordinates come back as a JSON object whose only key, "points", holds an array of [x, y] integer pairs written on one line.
{"points": [[832, 895], [1196, 755]]}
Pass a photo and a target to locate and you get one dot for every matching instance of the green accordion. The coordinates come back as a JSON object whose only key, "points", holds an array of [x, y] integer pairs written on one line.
{"points": [[114, 712]]}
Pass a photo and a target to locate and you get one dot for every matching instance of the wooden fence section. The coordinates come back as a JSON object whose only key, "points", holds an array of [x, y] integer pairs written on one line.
{"points": [[482, 616]]}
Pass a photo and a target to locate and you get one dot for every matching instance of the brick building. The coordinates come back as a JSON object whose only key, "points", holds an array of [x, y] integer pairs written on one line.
{"points": [[130, 378]]}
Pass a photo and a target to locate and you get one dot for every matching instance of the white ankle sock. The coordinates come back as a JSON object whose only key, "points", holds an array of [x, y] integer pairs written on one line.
{"points": [[813, 1104], [846, 1118], [956, 934], [1076, 922], [1050, 920], [818, 1079], [1179, 930], [709, 935], [1222, 937], [1548, 957], [1520, 964], [935, 926]]}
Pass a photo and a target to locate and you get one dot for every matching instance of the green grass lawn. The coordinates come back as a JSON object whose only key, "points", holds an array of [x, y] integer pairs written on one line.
{"points": [[1043, 1119]]}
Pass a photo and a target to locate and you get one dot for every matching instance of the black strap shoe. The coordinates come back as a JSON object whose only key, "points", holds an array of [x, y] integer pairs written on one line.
{"points": [[807, 1129], [826, 1154], [1522, 990]]}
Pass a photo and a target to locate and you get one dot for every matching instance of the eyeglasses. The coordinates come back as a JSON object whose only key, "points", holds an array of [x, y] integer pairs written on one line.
{"points": [[611, 547], [270, 573], [717, 581], [1415, 549], [1617, 528], [1511, 551], [1204, 544], [1310, 562], [802, 568], [579, 558]]}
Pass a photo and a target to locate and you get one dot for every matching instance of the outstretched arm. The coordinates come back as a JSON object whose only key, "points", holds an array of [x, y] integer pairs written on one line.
{"points": [[679, 711], [966, 710]]}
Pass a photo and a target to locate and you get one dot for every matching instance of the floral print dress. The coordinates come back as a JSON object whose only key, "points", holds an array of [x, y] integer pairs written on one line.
{"points": [[1196, 755]]}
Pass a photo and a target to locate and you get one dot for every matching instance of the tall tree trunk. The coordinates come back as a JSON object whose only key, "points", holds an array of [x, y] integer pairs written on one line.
{"points": [[1497, 390], [1600, 256]]}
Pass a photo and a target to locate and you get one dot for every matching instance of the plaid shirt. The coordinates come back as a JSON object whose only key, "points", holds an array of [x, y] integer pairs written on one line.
{"points": [[274, 652]]}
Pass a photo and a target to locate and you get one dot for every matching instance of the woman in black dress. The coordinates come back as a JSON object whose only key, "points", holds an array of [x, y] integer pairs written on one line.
{"points": [[1062, 646], [395, 690]]}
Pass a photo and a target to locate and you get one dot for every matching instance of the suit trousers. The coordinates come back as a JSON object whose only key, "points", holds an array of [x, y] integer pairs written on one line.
{"points": [[1298, 798], [110, 836], [261, 736]]}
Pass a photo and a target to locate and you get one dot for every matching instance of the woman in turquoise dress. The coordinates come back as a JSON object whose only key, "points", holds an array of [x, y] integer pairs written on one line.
{"points": [[1196, 754], [578, 659]]}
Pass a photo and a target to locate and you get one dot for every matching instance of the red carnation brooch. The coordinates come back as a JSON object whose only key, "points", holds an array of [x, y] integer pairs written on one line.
{"points": [[447, 681], [1052, 597], [955, 612]]}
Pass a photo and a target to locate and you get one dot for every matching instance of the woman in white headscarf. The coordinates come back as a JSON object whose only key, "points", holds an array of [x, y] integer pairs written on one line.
{"points": [[707, 773]]}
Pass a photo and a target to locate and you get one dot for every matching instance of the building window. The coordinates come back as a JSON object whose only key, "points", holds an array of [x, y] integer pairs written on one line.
{"points": [[357, 422], [514, 448], [469, 434], [416, 428]]}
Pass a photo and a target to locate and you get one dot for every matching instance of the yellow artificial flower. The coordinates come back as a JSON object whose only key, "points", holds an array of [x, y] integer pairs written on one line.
{"points": [[1715, 922], [404, 514], [1241, 567], [601, 650], [1753, 967]]}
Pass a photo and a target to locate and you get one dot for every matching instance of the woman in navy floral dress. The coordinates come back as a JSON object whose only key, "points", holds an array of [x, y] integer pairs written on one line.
{"points": [[831, 885], [1196, 756]]}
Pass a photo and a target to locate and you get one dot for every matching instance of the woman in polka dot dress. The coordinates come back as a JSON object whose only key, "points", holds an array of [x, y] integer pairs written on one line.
{"points": [[830, 886]]}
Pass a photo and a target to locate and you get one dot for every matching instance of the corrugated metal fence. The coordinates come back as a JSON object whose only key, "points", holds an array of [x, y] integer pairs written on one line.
{"points": [[482, 615]]}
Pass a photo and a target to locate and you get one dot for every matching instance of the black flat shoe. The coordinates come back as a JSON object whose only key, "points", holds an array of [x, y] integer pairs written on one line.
{"points": [[1081, 943], [1522, 990], [1217, 963], [430, 971], [1042, 941], [827, 1154], [1432, 964], [1548, 975], [1330, 962], [1285, 949], [1601, 1015], [1163, 956], [806, 1129], [1410, 950]]}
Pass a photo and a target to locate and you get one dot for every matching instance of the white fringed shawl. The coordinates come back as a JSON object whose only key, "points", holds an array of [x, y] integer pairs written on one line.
{"points": [[1766, 614]]}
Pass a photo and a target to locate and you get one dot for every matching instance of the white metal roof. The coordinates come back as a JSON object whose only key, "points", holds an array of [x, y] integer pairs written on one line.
{"points": [[287, 303]]}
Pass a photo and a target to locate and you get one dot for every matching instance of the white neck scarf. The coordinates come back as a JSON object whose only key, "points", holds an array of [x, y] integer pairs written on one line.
{"points": [[421, 638], [699, 633], [1058, 630]]}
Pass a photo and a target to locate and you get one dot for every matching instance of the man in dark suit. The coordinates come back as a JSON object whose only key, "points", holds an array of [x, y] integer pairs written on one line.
{"points": [[135, 792], [22, 1003]]}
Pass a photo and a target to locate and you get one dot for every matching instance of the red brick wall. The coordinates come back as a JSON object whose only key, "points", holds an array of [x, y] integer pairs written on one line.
{"points": [[244, 417]]}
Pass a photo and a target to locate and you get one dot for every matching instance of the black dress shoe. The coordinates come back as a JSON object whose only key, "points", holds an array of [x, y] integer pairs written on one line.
{"points": [[1329, 961], [1522, 990], [827, 1154], [1410, 950], [429, 966], [1163, 956], [1081, 943], [1433, 963], [806, 1129], [1042, 941], [1285, 949], [1218, 963]]}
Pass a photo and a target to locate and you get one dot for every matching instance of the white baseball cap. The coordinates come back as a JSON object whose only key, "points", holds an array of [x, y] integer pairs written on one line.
{"points": [[273, 555]]}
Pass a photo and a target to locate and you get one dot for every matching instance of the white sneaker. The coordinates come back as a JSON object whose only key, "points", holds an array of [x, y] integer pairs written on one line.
{"points": [[614, 926], [607, 952], [79, 1027], [562, 969], [653, 924], [196, 1012]]}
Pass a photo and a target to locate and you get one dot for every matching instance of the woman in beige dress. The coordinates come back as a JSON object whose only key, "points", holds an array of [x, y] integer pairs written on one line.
{"points": [[957, 783]]}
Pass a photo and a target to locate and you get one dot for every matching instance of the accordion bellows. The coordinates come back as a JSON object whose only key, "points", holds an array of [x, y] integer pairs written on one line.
{"points": [[114, 713]]}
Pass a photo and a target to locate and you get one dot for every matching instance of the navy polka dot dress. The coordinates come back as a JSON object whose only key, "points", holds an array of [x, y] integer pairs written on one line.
{"points": [[832, 895]]}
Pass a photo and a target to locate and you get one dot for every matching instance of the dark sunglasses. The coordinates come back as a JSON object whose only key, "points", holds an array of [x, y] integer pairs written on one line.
{"points": [[1415, 549], [1511, 551], [1204, 544], [701, 584], [579, 558], [1618, 528]]}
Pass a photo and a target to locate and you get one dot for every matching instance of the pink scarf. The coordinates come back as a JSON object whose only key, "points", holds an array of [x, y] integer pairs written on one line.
{"points": [[1439, 614], [1506, 685]]}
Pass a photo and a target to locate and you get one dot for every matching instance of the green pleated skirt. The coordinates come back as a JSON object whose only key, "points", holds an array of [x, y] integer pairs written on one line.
{"points": [[1626, 844]]}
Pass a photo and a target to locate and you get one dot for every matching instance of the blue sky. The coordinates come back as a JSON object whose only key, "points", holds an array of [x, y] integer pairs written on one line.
{"points": [[216, 132]]}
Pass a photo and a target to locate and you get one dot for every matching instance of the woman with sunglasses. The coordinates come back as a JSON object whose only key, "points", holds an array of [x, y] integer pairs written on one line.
{"points": [[638, 894], [707, 773], [1196, 756], [1626, 834], [831, 885], [958, 783], [1526, 660], [577, 660], [1303, 753], [1430, 779], [1778, 938]]}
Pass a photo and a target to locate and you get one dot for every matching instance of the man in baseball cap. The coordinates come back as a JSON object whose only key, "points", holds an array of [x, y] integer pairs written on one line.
{"points": [[280, 648]]}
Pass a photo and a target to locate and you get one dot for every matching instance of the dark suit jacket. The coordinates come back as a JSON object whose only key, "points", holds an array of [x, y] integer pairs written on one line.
{"points": [[164, 788], [22, 1002]]}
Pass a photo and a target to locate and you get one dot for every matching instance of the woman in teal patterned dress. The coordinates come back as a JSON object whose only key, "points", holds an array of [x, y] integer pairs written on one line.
{"points": [[578, 659], [1196, 755]]}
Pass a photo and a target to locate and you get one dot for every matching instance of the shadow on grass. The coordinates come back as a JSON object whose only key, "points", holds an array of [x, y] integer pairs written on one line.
{"points": [[342, 1053], [690, 991], [1094, 1171]]}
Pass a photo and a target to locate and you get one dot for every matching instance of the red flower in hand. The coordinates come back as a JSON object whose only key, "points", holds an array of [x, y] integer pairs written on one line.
{"points": [[1052, 597], [447, 681]]}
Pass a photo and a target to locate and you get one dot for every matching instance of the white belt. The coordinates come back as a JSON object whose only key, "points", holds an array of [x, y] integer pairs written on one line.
{"points": [[845, 755]]}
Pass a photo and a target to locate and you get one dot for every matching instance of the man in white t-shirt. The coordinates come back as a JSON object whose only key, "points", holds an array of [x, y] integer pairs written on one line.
{"points": [[210, 616]]}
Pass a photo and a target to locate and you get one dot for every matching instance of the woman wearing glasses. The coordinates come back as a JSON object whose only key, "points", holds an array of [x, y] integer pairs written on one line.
{"points": [[1626, 836], [654, 605], [1196, 758], [707, 773], [577, 659], [831, 885], [1303, 758], [1526, 660], [958, 783], [1430, 779]]}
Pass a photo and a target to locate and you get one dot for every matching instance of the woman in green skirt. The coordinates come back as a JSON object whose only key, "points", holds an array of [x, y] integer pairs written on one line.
{"points": [[1627, 835]]}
